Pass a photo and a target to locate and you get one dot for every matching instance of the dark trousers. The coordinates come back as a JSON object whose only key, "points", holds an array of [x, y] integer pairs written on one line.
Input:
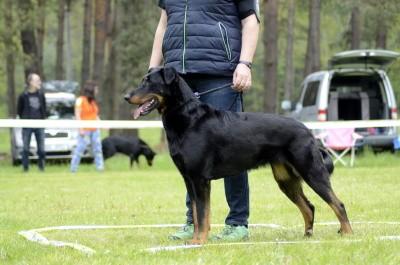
{"points": [[236, 187], [26, 139]]}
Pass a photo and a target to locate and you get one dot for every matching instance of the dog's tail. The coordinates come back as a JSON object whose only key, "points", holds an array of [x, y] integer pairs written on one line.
{"points": [[326, 159]]}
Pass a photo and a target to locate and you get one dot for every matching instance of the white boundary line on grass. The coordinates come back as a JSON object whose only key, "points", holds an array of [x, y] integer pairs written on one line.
{"points": [[277, 242], [34, 236]]}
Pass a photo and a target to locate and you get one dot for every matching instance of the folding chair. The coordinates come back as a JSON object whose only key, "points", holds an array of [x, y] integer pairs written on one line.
{"points": [[339, 142]]}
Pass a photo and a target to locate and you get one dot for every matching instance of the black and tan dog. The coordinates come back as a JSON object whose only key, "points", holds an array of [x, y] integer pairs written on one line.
{"points": [[207, 144], [127, 145]]}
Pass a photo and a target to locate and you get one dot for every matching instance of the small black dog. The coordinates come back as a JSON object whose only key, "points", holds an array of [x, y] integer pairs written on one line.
{"points": [[130, 146], [207, 144]]}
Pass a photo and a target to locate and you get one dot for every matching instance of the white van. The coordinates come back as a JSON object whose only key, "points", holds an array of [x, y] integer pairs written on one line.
{"points": [[59, 143], [356, 87]]}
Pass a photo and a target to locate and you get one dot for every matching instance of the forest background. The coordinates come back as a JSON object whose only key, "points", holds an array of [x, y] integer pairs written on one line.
{"points": [[110, 41]]}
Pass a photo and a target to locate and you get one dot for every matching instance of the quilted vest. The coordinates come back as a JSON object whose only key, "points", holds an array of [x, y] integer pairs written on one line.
{"points": [[202, 36]]}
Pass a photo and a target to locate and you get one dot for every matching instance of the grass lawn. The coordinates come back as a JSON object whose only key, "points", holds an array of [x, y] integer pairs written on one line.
{"points": [[155, 195]]}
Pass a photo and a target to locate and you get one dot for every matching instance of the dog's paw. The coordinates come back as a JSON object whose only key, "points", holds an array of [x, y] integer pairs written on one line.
{"points": [[309, 233], [195, 242], [344, 232]]}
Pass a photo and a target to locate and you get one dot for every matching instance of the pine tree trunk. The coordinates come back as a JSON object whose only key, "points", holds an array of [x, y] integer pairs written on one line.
{"points": [[41, 29], [110, 106], [271, 55], [112, 73], [28, 39], [289, 68], [125, 10], [100, 39], [87, 39], [9, 50], [381, 34], [99, 48], [313, 61], [355, 22], [68, 50], [60, 41]]}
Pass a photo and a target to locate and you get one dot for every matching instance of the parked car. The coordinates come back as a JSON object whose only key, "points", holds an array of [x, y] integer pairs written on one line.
{"points": [[356, 87], [59, 143]]}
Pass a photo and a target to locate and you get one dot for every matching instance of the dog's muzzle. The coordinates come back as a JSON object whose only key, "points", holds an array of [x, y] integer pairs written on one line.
{"points": [[146, 105], [127, 97]]}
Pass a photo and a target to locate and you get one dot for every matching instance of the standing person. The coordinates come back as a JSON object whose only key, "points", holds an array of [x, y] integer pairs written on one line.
{"points": [[212, 44], [86, 109], [32, 105]]}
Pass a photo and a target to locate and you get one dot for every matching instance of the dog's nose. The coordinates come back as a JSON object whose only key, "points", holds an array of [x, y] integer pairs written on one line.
{"points": [[127, 97]]}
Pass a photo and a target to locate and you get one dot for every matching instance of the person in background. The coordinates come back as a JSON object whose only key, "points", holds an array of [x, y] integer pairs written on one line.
{"points": [[86, 109], [32, 105], [212, 44]]}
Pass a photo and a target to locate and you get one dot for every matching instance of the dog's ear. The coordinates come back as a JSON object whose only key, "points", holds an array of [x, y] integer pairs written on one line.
{"points": [[170, 75]]}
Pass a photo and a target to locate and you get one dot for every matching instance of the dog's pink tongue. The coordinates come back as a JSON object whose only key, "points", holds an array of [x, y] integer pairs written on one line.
{"points": [[136, 113]]}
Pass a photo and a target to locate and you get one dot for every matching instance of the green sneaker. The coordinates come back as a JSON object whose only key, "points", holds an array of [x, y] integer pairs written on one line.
{"points": [[185, 232], [232, 233]]}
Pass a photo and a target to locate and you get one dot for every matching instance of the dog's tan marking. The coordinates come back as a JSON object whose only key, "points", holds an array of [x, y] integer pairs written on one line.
{"points": [[280, 172], [195, 223], [338, 208], [140, 99], [308, 216], [291, 186], [201, 226]]}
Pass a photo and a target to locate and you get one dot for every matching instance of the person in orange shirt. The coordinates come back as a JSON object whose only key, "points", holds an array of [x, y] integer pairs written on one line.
{"points": [[86, 109]]}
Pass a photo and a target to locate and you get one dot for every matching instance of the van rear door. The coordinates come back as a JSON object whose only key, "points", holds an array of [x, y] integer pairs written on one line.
{"points": [[363, 59]]}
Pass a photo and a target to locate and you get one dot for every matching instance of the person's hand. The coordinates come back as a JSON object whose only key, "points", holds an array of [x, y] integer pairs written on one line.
{"points": [[242, 78], [81, 132]]}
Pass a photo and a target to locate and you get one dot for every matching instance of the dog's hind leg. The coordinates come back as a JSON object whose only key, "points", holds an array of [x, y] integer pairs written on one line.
{"points": [[317, 177], [290, 184], [308, 162], [322, 186]]}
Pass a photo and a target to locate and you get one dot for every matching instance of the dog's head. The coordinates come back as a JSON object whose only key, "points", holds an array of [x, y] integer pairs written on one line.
{"points": [[149, 154], [153, 91]]}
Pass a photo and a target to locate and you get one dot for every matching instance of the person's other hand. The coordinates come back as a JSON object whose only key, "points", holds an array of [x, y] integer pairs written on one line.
{"points": [[242, 78]]}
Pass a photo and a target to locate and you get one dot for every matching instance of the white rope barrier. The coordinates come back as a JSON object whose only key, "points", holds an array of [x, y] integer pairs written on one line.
{"points": [[130, 124], [101, 124], [353, 124]]}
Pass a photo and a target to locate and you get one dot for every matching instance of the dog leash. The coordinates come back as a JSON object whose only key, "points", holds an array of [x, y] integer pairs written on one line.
{"points": [[198, 94], [240, 94]]}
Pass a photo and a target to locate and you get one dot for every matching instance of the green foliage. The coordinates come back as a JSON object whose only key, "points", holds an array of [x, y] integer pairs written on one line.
{"points": [[335, 19], [49, 53], [135, 40], [139, 20]]}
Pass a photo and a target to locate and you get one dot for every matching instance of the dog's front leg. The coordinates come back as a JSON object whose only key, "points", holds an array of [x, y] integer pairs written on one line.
{"points": [[191, 193], [201, 210]]}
